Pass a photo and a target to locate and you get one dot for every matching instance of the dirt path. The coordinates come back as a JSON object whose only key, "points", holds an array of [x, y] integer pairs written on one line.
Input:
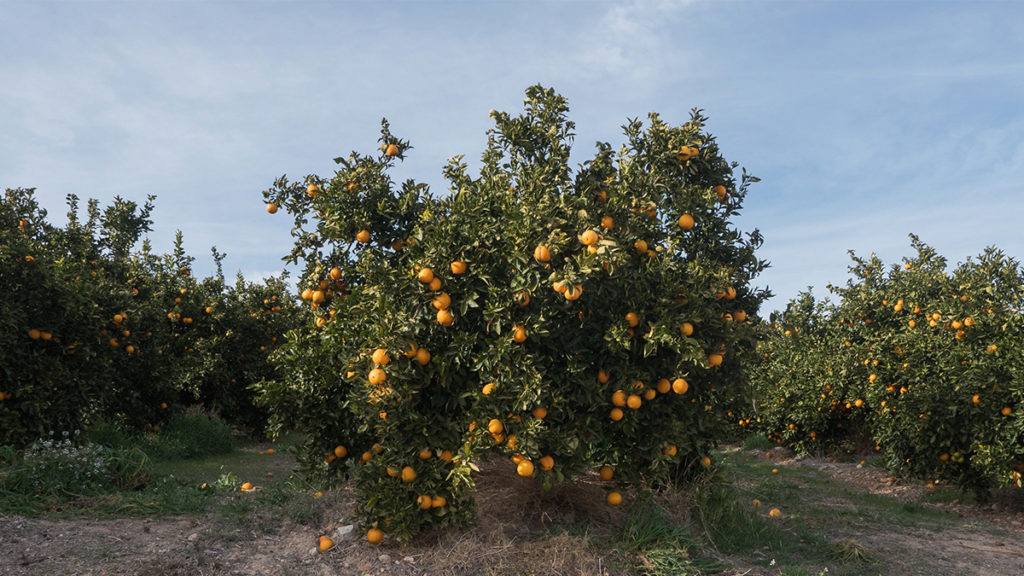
{"points": [[848, 500]]}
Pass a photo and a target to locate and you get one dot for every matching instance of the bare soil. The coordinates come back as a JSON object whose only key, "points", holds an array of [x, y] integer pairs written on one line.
{"points": [[519, 531]]}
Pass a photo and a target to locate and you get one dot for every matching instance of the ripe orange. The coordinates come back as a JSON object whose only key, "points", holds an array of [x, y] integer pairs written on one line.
{"points": [[35, 334], [663, 386], [616, 414], [540, 413], [425, 275], [488, 388], [519, 333], [247, 487], [686, 329], [670, 450], [525, 468], [720, 191], [706, 462], [614, 498], [445, 318], [686, 222], [495, 427], [435, 284], [559, 286], [588, 237], [522, 297], [425, 454], [632, 319], [408, 474], [547, 463], [633, 401], [377, 376], [425, 502], [339, 451], [619, 398], [606, 473], [325, 544], [374, 535], [607, 222], [542, 254], [442, 301], [381, 357], [775, 513], [640, 246], [680, 386], [439, 502], [458, 267], [602, 376], [715, 359], [312, 190], [391, 150], [739, 315], [363, 236], [422, 356], [271, 208], [1006, 411], [574, 292]]}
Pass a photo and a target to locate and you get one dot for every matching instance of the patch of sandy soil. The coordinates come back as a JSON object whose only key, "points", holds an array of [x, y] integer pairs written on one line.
{"points": [[981, 540], [520, 530]]}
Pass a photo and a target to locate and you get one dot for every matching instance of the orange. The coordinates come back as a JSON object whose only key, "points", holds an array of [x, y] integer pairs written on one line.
{"points": [[325, 544], [439, 502], [271, 208], [633, 401], [663, 386], [246, 487], [559, 286], [391, 150], [425, 502], [363, 236], [458, 267], [739, 315], [715, 359], [540, 413], [495, 427], [1006, 411], [408, 474], [602, 376], [632, 319], [411, 352], [680, 386], [374, 535], [670, 450], [522, 297], [312, 190], [706, 462], [425, 275], [614, 498], [686, 222], [976, 399], [425, 454], [377, 376], [720, 191], [686, 329], [381, 357], [488, 388], [34, 334], [574, 292], [442, 301], [339, 451], [445, 318], [542, 254], [588, 237], [606, 473], [435, 284], [547, 463], [525, 468], [619, 398], [640, 246], [775, 513], [519, 333], [616, 414], [422, 356], [607, 222], [650, 394]]}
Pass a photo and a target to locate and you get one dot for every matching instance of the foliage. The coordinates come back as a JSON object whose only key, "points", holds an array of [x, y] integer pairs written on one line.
{"points": [[516, 313], [920, 363]]}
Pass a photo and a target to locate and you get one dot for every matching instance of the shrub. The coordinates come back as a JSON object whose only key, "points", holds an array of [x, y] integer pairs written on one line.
{"points": [[511, 315]]}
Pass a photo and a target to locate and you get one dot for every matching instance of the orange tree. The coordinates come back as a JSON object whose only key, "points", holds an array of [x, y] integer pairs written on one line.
{"points": [[922, 363], [567, 320]]}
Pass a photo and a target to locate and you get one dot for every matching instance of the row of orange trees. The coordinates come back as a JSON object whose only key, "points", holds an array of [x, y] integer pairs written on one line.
{"points": [[924, 364], [561, 320], [93, 326]]}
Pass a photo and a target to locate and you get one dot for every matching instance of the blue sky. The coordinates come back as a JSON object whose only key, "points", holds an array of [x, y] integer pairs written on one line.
{"points": [[866, 121]]}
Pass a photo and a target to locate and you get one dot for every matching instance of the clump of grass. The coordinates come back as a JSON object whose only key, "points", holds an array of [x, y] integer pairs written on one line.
{"points": [[189, 435], [727, 523], [757, 442]]}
